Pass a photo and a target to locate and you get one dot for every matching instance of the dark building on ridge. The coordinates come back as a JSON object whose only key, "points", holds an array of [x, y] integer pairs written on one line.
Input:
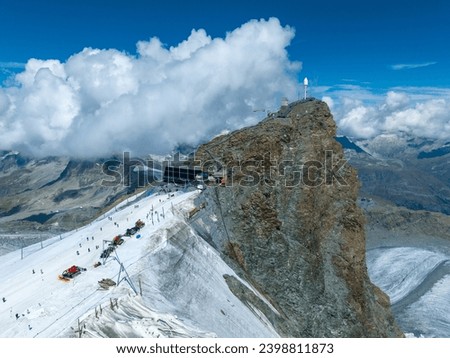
{"points": [[180, 175]]}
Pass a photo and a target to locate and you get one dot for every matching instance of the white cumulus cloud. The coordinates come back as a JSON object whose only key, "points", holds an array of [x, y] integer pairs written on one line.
{"points": [[420, 112], [102, 101]]}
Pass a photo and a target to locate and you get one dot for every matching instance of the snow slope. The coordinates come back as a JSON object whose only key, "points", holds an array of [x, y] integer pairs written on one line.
{"points": [[430, 315], [418, 283], [397, 271], [180, 275]]}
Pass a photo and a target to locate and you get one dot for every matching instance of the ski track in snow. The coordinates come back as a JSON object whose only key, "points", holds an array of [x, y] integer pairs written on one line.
{"points": [[49, 307], [58, 301]]}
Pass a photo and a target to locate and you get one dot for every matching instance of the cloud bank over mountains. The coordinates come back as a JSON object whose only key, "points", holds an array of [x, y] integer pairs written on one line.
{"points": [[420, 112], [102, 101]]}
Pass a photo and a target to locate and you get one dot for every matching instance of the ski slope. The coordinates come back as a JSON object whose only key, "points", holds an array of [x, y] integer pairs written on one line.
{"points": [[186, 298]]}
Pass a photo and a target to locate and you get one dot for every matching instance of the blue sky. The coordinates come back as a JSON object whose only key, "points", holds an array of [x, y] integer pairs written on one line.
{"points": [[337, 41], [380, 65]]}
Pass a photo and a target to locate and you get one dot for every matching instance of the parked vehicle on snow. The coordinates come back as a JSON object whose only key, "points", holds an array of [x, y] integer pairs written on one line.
{"points": [[71, 272], [139, 224], [117, 240]]}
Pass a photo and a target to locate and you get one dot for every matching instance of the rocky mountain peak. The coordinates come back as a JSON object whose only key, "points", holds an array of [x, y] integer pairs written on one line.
{"points": [[287, 220]]}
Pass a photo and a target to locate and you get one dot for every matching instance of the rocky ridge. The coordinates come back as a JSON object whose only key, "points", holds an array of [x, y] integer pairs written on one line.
{"points": [[287, 220]]}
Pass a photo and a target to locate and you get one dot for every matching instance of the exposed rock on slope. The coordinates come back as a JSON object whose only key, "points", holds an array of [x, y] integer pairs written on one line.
{"points": [[390, 225], [287, 220], [408, 171]]}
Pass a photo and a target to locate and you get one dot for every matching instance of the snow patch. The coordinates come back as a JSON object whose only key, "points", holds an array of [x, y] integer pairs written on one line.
{"points": [[129, 317]]}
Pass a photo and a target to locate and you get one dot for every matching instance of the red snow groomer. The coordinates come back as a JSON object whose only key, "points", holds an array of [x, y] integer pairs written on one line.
{"points": [[71, 272], [117, 240]]}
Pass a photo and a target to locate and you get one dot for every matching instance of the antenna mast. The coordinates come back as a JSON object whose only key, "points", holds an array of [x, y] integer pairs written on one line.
{"points": [[305, 84]]}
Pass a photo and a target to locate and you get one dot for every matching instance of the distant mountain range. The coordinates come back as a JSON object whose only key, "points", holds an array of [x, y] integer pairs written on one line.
{"points": [[348, 144], [409, 172], [47, 196], [439, 152]]}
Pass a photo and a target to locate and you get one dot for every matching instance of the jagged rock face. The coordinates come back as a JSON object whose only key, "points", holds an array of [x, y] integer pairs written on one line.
{"points": [[288, 222]]}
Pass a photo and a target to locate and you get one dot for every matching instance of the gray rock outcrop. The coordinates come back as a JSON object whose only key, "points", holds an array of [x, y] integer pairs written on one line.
{"points": [[286, 219]]}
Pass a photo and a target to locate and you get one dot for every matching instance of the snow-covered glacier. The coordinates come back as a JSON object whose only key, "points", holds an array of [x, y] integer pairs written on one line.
{"points": [[417, 281]]}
